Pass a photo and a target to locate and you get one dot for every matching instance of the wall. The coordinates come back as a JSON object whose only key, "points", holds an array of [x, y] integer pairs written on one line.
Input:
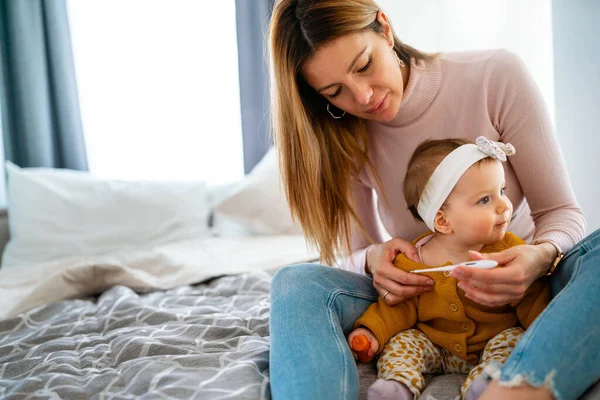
{"points": [[523, 27], [576, 34]]}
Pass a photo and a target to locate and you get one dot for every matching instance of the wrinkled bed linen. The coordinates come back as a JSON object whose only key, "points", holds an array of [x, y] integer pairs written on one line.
{"points": [[208, 341]]}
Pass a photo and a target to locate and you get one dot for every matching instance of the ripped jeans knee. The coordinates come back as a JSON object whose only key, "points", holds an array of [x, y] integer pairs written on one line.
{"points": [[493, 372]]}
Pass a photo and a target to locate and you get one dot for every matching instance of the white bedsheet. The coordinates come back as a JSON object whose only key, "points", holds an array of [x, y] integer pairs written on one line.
{"points": [[167, 266]]}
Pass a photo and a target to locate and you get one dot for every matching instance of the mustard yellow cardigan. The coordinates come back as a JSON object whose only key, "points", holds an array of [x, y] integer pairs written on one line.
{"points": [[447, 317]]}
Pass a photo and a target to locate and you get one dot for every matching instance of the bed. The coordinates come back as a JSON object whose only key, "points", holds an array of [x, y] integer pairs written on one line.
{"points": [[183, 318]]}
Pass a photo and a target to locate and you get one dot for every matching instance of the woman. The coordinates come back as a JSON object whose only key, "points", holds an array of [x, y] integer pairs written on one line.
{"points": [[350, 104]]}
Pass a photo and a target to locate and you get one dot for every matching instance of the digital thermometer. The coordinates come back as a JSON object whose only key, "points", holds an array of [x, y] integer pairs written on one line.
{"points": [[484, 264]]}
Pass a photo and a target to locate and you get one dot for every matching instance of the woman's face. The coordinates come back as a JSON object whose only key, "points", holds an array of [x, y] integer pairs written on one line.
{"points": [[358, 73]]}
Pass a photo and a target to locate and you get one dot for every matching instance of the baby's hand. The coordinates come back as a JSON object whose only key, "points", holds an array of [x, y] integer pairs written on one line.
{"points": [[363, 343]]}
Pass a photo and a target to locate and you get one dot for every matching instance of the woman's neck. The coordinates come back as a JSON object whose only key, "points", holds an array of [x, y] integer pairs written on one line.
{"points": [[443, 248], [421, 81], [405, 71]]}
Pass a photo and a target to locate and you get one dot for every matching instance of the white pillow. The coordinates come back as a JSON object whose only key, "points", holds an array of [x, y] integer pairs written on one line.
{"points": [[257, 204], [61, 213]]}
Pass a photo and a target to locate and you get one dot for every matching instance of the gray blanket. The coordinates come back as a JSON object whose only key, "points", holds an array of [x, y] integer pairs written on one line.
{"points": [[203, 342]]}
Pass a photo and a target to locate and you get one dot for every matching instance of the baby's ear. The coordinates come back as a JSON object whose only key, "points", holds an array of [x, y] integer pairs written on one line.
{"points": [[442, 224]]}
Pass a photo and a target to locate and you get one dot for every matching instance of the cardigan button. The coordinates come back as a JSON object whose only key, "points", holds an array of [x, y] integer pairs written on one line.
{"points": [[453, 307], [458, 347], [465, 326], [446, 274]]}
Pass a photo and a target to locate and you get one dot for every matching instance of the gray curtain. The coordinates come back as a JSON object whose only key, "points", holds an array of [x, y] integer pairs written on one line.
{"points": [[41, 122], [252, 19]]}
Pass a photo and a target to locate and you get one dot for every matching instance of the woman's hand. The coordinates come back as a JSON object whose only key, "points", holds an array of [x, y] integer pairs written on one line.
{"points": [[520, 266], [394, 285], [373, 343]]}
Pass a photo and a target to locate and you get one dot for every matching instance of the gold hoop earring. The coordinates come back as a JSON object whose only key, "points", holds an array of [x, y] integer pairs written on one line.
{"points": [[400, 62], [334, 116]]}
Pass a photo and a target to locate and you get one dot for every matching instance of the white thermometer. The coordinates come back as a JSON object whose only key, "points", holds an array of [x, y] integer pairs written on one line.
{"points": [[484, 264]]}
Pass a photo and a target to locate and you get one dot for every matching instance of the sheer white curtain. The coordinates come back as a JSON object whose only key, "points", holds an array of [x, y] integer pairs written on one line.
{"points": [[158, 86], [523, 27]]}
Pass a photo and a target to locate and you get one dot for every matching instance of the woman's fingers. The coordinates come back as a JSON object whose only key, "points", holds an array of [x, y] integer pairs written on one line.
{"points": [[399, 245], [392, 273], [394, 292], [487, 299], [400, 293], [395, 285], [497, 286], [507, 272], [475, 255], [512, 291], [384, 254], [487, 277], [413, 254], [502, 258]]}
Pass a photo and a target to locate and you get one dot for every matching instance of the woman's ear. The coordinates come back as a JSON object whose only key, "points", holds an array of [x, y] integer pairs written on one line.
{"points": [[386, 28], [442, 223]]}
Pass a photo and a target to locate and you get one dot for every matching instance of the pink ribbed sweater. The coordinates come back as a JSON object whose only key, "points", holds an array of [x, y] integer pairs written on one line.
{"points": [[466, 95]]}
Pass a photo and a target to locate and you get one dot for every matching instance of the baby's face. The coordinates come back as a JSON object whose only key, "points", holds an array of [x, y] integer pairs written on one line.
{"points": [[478, 210]]}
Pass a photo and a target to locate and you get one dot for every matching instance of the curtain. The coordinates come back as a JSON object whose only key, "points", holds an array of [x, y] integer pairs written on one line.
{"points": [[252, 20], [41, 122]]}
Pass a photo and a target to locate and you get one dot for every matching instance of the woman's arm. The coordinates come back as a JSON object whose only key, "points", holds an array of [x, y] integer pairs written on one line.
{"points": [[364, 206], [518, 112], [392, 284]]}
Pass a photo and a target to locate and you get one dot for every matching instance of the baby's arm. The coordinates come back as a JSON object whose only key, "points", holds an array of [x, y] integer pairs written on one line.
{"points": [[384, 321], [355, 341]]}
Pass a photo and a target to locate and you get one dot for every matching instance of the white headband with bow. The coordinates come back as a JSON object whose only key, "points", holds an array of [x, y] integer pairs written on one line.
{"points": [[450, 170]]}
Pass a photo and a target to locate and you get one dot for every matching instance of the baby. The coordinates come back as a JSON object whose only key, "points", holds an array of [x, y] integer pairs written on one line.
{"points": [[457, 189]]}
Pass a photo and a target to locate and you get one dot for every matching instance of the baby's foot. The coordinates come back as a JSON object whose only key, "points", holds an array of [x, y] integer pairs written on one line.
{"points": [[384, 389], [477, 388]]}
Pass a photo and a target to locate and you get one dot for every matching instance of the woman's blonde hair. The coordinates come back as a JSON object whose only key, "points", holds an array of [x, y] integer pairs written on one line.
{"points": [[424, 160], [318, 156]]}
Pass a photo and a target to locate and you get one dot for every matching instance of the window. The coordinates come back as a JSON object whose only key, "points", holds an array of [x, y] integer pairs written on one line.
{"points": [[158, 88]]}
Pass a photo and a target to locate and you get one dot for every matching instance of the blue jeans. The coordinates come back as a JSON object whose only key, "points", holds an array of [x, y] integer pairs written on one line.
{"points": [[313, 308]]}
